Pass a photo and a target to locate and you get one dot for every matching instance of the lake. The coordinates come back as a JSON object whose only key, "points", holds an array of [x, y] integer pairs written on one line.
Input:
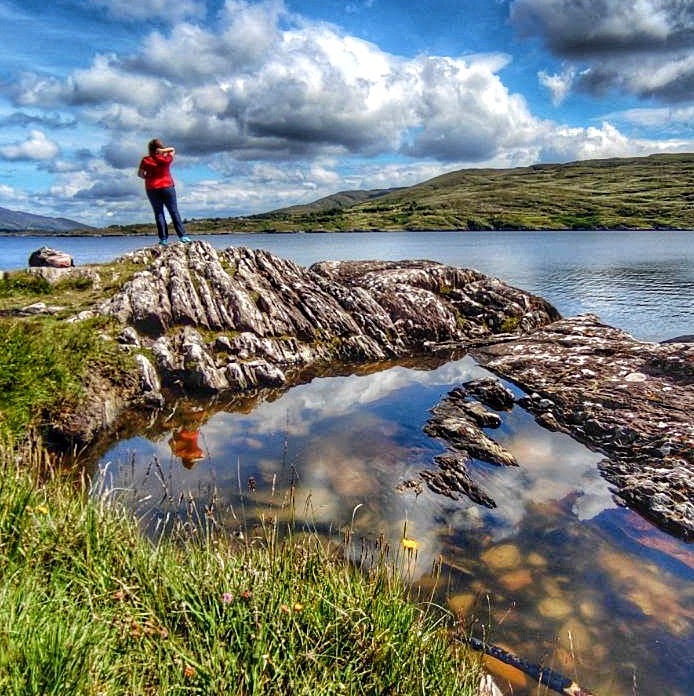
{"points": [[642, 282], [557, 572]]}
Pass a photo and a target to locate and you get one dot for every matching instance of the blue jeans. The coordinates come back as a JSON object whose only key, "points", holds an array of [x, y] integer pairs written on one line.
{"points": [[161, 198]]}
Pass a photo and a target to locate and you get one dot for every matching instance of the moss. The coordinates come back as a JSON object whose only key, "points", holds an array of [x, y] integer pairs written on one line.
{"points": [[510, 324]]}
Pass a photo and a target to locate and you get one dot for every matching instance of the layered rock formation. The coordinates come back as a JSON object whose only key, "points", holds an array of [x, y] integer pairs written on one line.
{"points": [[629, 399], [239, 319]]}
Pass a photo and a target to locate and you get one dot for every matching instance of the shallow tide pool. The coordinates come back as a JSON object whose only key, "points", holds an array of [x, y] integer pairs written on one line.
{"points": [[556, 573]]}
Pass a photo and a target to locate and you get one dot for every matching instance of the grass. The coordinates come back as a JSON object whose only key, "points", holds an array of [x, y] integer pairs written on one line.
{"points": [[44, 364], [88, 605], [45, 360]]}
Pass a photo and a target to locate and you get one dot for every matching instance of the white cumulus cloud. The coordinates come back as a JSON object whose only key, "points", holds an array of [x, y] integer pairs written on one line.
{"points": [[264, 85], [36, 147], [559, 85]]}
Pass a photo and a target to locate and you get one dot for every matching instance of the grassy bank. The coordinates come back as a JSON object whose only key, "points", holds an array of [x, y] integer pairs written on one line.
{"points": [[90, 606], [45, 360]]}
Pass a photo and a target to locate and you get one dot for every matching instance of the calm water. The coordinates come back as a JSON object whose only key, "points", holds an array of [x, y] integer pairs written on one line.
{"points": [[556, 572], [640, 281]]}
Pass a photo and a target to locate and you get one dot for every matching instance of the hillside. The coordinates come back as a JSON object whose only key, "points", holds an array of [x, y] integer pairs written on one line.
{"points": [[655, 192], [15, 221]]}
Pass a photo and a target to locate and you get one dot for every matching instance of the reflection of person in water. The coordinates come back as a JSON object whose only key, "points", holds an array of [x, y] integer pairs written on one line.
{"points": [[184, 444]]}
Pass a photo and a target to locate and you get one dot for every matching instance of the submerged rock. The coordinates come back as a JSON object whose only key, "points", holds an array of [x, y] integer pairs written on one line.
{"points": [[453, 478], [502, 557]]}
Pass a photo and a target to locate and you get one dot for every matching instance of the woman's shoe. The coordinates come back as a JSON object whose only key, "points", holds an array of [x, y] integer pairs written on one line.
{"points": [[185, 239], [163, 242]]}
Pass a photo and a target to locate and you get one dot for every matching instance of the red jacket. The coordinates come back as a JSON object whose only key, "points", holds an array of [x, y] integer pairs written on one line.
{"points": [[154, 169]]}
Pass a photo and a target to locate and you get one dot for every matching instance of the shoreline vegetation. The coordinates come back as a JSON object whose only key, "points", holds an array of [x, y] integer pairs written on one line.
{"points": [[639, 193], [91, 605]]}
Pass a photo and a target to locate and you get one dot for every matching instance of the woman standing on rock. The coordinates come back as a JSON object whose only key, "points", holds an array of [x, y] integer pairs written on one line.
{"points": [[159, 185]]}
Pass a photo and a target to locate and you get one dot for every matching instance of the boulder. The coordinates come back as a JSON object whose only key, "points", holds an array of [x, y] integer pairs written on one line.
{"points": [[51, 258]]}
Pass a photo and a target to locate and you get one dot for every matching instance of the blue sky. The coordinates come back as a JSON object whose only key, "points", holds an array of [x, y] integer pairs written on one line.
{"points": [[275, 103]]}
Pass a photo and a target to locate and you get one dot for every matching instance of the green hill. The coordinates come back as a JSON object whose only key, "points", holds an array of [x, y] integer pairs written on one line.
{"points": [[655, 192], [18, 222]]}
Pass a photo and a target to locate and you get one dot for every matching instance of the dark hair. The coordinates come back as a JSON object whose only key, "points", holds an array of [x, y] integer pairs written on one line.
{"points": [[154, 145]]}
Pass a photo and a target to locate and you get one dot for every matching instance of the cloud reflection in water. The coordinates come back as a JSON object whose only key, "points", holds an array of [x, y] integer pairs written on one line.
{"points": [[350, 440]]}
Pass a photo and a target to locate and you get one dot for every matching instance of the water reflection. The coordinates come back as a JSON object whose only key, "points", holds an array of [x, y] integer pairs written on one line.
{"points": [[556, 572]]}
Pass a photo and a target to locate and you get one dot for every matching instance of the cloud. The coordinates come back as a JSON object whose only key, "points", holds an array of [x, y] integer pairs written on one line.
{"points": [[151, 9], [559, 85], [11, 196], [268, 109], [665, 118], [36, 147], [643, 47], [266, 85], [24, 120]]}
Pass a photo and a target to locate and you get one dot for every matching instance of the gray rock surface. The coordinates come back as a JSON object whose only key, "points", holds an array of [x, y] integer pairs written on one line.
{"points": [[631, 400], [240, 318]]}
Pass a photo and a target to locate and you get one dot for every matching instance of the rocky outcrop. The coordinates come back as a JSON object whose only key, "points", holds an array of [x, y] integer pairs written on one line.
{"points": [[629, 399], [240, 319], [458, 419], [459, 422]]}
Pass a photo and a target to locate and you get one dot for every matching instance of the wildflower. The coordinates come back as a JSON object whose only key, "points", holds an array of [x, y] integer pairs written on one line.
{"points": [[227, 598], [298, 606], [410, 544], [246, 594], [119, 595], [284, 608], [189, 671]]}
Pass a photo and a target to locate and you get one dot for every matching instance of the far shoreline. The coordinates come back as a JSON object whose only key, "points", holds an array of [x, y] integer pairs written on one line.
{"points": [[68, 235]]}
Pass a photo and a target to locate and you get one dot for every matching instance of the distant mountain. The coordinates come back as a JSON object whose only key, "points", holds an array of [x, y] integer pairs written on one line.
{"points": [[342, 199], [630, 193], [19, 222]]}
